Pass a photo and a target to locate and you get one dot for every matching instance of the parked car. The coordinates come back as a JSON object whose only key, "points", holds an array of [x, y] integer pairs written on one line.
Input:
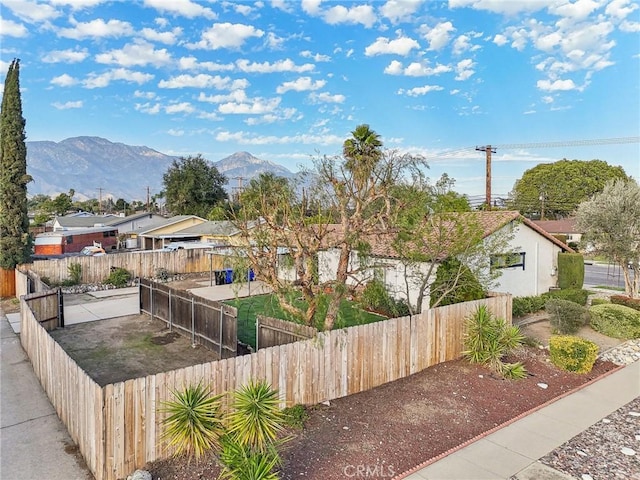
{"points": [[92, 251]]}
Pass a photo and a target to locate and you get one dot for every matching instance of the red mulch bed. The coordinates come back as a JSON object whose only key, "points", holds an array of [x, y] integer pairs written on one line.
{"points": [[395, 427]]}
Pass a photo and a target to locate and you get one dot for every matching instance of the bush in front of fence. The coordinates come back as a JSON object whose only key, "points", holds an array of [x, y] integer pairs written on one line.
{"points": [[247, 436]]}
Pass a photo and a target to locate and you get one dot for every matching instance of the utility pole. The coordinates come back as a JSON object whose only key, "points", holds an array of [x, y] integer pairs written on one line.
{"points": [[100, 200], [148, 199], [488, 151]]}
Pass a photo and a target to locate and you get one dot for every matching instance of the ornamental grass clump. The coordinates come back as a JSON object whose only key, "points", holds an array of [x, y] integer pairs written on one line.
{"points": [[488, 339], [573, 354]]}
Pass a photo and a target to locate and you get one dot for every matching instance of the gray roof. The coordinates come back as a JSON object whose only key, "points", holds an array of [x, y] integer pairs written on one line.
{"points": [[167, 222], [129, 218], [224, 228], [85, 221]]}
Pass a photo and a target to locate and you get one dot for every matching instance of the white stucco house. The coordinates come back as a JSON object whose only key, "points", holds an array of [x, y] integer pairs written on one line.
{"points": [[527, 266]]}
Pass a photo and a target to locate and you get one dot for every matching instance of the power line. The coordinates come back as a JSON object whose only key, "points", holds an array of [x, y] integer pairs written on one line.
{"points": [[572, 143]]}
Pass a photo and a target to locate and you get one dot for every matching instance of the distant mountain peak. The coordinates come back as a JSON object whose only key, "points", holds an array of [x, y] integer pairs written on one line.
{"points": [[246, 165]]}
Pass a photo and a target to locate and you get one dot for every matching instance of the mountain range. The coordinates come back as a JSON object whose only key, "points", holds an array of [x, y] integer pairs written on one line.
{"points": [[94, 167]]}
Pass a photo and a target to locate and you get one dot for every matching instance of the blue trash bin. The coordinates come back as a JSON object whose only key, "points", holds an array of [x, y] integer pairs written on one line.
{"points": [[252, 276], [228, 276]]}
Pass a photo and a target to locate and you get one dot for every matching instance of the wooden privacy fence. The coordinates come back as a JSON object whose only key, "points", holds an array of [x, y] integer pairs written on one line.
{"points": [[273, 331], [140, 264], [47, 308], [208, 322], [118, 428], [29, 282], [77, 399]]}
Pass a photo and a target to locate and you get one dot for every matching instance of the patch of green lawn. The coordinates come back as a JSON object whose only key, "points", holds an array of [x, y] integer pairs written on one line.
{"points": [[249, 307]]}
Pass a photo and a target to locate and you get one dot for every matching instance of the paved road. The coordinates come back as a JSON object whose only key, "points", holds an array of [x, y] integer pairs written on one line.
{"points": [[607, 275]]}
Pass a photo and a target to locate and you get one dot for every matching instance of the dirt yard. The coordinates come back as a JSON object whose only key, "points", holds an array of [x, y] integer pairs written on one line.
{"points": [[127, 347]]}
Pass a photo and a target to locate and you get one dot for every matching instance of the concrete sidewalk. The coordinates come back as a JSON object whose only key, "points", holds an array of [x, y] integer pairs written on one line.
{"points": [[34, 444], [515, 449]]}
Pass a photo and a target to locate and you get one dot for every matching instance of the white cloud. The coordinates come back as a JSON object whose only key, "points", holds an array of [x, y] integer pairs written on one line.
{"points": [[67, 105], [579, 10], [419, 91], [503, 6], [325, 97], [257, 106], [184, 107], [547, 99], [31, 11], [94, 80], [316, 57], [185, 8], [463, 44], [630, 27], [290, 114], [500, 40], [281, 5], [399, 46], [273, 41], [192, 63], [198, 81], [438, 36], [97, 28], [175, 133], [556, 85], [12, 29], [302, 84], [245, 138], [620, 8], [140, 53], [286, 65], [397, 10], [235, 96], [147, 95], [416, 69], [64, 80], [168, 38], [464, 69], [151, 109], [226, 35], [77, 4], [66, 56], [361, 14]]}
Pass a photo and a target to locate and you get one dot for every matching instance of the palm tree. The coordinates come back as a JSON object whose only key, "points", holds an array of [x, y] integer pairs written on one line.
{"points": [[362, 151]]}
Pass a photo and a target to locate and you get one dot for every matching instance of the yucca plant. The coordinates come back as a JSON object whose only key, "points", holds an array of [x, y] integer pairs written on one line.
{"points": [[194, 422], [255, 418], [488, 339], [241, 462]]}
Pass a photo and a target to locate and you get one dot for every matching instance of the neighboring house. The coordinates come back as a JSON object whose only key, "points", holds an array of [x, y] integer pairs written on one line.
{"points": [[219, 233], [80, 220], [566, 227], [527, 267], [166, 231]]}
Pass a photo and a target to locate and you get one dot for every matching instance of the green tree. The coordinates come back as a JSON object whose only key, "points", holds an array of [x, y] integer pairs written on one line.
{"points": [[15, 242], [61, 204], [122, 205], [348, 203], [555, 190], [611, 225], [192, 186]]}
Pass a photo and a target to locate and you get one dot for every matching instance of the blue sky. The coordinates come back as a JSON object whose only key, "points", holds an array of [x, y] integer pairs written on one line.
{"points": [[289, 80]]}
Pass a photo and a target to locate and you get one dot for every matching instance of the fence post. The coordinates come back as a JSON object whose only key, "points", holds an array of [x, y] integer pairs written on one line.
{"points": [[151, 286], [170, 316], [220, 329], [257, 332], [193, 322], [60, 308]]}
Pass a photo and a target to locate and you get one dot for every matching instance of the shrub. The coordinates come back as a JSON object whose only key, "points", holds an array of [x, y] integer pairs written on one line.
{"points": [[599, 301], [566, 317], [295, 416], [616, 321], [522, 306], [375, 298], [488, 339], [75, 273], [194, 422], [626, 301], [119, 277], [573, 354], [570, 271], [455, 283], [573, 295]]}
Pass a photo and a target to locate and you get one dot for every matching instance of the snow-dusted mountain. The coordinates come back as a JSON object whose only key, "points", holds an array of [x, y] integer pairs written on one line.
{"points": [[94, 166]]}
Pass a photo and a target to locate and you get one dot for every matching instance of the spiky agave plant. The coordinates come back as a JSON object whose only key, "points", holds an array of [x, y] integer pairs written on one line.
{"points": [[241, 462], [194, 422], [256, 418]]}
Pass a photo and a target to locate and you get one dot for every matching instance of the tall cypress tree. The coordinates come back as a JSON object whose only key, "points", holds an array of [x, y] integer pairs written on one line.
{"points": [[15, 242]]}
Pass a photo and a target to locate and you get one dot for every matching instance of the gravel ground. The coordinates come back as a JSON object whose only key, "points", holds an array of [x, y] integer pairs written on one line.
{"points": [[610, 449]]}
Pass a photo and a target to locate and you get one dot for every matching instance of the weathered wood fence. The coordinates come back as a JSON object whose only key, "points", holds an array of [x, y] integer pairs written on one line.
{"points": [[118, 428], [29, 282], [208, 322], [140, 264], [273, 331]]}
